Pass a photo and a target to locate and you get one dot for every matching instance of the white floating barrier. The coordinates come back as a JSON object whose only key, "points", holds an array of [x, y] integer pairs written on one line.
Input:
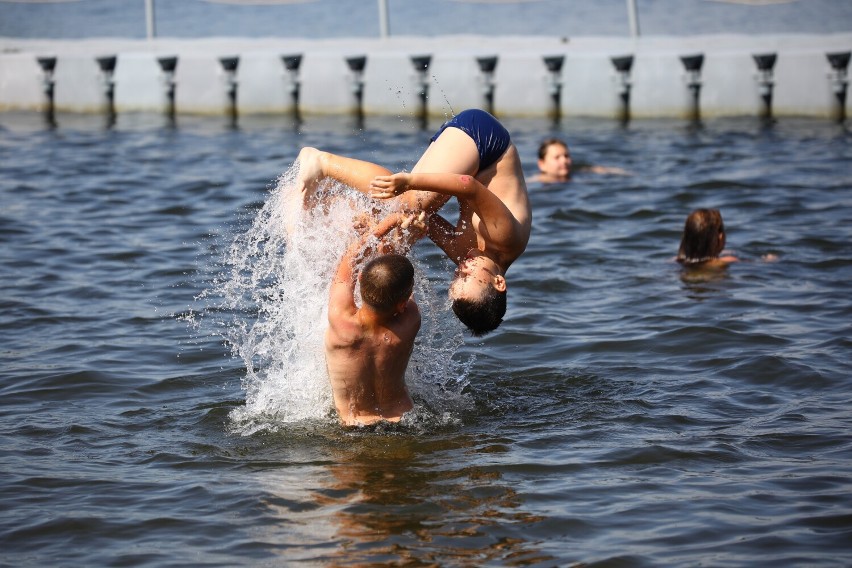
{"points": [[619, 78]]}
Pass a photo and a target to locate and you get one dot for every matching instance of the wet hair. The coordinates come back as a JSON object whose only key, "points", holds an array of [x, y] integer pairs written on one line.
{"points": [[385, 281], [542, 148], [482, 315], [703, 237]]}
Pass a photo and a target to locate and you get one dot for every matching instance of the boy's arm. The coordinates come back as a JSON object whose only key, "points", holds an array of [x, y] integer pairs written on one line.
{"points": [[490, 209], [443, 233], [457, 185]]}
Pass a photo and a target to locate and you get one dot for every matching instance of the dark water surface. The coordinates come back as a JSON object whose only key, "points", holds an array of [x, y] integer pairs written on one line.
{"points": [[74, 19], [621, 415]]}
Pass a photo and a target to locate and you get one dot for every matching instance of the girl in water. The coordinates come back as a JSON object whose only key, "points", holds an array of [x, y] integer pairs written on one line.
{"points": [[703, 241]]}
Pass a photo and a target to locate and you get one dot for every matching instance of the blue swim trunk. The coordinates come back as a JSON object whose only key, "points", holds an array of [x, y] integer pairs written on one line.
{"points": [[491, 138]]}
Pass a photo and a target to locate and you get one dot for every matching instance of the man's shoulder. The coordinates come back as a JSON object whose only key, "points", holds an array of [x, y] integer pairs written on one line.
{"points": [[344, 330], [401, 330], [410, 319]]}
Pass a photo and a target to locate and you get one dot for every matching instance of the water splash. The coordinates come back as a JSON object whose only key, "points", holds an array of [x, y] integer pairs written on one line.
{"points": [[274, 287]]}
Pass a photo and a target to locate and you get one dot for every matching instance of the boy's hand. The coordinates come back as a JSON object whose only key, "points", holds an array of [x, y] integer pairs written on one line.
{"points": [[385, 187], [395, 231], [362, 223], [416, 224]]}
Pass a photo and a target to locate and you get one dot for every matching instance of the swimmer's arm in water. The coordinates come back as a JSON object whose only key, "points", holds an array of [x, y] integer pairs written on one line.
{"points": [[605, 170]]}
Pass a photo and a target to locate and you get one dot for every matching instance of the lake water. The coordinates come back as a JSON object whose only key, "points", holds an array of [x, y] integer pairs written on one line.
{"points": [[71, 19], [163, 403]]}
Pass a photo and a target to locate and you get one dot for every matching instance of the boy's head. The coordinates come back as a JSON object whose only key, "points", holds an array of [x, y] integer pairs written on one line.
{"points": [[703, 237], [386, 282], [478, 294]]}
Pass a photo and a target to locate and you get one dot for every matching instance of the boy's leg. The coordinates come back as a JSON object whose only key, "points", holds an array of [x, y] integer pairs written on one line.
{"points": [[452, 152], [315, 165]]}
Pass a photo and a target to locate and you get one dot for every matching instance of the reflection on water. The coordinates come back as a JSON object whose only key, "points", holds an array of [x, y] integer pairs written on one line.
{"points": [[392, 497], [407, 499], [697, 278]]}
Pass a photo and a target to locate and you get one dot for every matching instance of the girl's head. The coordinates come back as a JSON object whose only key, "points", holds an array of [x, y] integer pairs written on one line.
{"points": [[703, 237]]}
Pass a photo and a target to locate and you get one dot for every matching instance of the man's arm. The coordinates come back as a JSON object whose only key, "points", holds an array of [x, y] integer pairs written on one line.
{"points": [[341, 295]]}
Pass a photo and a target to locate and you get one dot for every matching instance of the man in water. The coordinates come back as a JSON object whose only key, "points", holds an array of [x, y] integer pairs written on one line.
{"points": [[472, 158], [367, 349]]}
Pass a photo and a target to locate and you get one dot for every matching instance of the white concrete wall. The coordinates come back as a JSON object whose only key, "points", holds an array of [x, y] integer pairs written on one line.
{"points": [[589, 85]]}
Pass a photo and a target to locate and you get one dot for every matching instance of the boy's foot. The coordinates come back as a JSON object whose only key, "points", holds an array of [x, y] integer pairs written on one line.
{"points": [[310, 171]]}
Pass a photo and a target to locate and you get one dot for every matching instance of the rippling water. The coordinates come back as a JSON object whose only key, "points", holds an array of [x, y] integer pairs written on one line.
{"points": [[621, 416], [72, 19]]}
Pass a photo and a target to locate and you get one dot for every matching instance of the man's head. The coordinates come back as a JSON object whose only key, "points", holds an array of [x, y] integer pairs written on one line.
{"points": [[554, 159], [387, 282], [703, 236], [478, 294]]}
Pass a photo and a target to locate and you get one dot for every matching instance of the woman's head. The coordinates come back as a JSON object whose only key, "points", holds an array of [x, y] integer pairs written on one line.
{"points": [[554, 160], [703, 237], [478, 294]]}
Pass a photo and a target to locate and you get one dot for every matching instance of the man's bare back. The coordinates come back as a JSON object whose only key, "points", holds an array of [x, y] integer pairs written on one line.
{"points": [[368, 348], [366, 367]]}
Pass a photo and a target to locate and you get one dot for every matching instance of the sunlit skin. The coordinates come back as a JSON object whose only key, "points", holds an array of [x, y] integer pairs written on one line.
{"points": [[367, 348]]}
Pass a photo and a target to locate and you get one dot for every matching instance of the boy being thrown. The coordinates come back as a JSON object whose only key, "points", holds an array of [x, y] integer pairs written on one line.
{"points": [[472, 158]]}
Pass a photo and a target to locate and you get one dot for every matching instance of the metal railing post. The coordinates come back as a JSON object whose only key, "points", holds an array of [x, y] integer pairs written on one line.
{"points": [[633, 17], [384, 23], [150, 23]]}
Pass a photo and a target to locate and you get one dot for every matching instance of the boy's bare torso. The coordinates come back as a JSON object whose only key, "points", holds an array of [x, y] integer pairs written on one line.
{"points": [[505, 179]]}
